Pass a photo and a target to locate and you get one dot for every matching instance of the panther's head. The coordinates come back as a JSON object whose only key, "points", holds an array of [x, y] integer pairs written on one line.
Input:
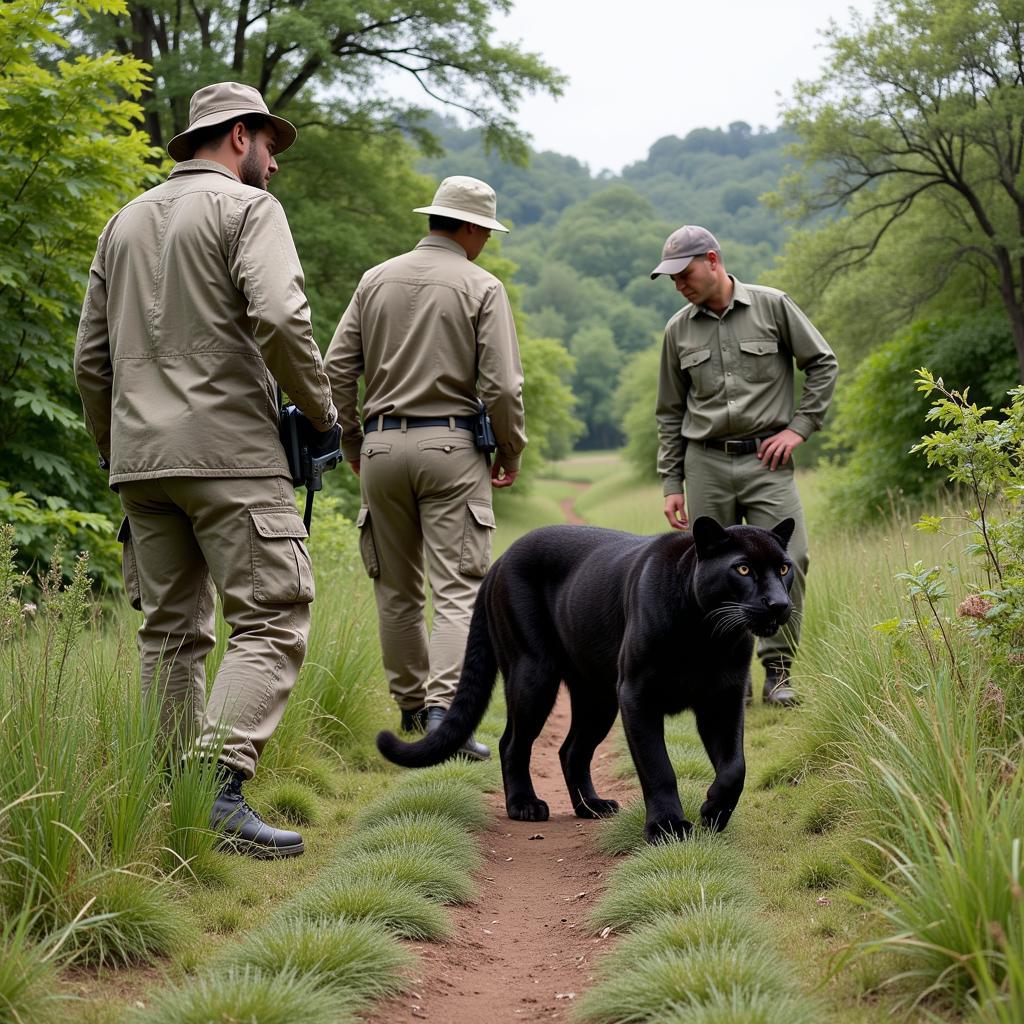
{"points": [[743, 576]]}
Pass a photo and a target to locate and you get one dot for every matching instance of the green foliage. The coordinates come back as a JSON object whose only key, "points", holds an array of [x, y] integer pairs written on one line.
{"points": [[244, 994], [877, 423], [460, 802], [70, 157], [915, 108], [597, 369], [636, 400], [355, 960]]}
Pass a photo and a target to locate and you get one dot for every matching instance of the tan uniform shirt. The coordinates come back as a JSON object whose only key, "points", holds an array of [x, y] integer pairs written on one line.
{"points": [[429, 330], [195, 310], [731, 376]]}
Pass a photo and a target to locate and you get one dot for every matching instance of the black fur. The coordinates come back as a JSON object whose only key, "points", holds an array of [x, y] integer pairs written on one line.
{"points": [[645, 625]]}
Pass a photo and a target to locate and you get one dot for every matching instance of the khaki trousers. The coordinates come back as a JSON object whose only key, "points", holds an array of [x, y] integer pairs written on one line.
{"points": [[736, 489], [184, 538], [426, 494]]}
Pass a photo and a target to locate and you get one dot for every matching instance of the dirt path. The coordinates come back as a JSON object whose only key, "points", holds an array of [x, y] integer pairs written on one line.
{"points": [[568, 505], [523, 952]]}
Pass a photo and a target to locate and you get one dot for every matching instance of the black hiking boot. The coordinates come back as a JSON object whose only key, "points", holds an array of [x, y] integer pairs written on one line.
{"points": [[242, 830], [414, 719], [472, 749], [778, 688]]}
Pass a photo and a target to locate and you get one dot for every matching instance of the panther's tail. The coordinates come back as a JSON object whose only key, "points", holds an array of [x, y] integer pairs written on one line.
{"points": [[479, 670]]}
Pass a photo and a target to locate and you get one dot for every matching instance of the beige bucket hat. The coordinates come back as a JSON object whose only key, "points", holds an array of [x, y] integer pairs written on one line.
{"points": [[682, 247], [464, 198], [227, 101]]}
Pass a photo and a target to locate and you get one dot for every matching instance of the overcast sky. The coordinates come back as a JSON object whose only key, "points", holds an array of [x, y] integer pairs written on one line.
{"points": [[641, 69]]}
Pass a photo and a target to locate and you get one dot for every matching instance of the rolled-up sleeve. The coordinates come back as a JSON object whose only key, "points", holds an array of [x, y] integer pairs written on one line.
{"points": [[500, 374], [813, 355], [265, 268], [94, 371], [672, 392]]}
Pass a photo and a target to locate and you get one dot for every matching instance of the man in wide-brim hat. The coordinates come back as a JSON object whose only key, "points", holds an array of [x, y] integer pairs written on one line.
{"points": [[195, 311], [432, 334]]}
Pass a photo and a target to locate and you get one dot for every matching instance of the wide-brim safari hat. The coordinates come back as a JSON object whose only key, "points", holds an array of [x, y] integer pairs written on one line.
{"points": [[464, 198], [682, 247], [227, 101]]}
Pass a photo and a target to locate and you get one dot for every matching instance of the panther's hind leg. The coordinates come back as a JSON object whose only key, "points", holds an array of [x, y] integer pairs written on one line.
{"points": [[592, 715], [531, 687]]}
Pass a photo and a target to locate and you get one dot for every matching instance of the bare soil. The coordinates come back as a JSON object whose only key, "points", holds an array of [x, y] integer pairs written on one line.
{"points": [[524, 952], [568, 505]]}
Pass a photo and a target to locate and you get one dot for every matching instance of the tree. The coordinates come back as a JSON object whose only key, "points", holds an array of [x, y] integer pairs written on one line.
{"points": [[70, 156], [321, 62], [925, 100], [598, 362]]}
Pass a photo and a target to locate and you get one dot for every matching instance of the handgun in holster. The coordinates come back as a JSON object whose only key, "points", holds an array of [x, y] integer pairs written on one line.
{"points": [[483, 433], [300, 439]]}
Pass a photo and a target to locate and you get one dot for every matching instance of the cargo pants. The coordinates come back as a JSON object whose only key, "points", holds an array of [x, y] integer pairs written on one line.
{"points": [[185, 539], [426, 496], [736, 489]]}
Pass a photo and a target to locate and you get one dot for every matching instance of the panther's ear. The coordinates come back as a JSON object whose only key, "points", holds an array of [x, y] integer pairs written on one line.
{"points": [[784, 531], [709, 537]]}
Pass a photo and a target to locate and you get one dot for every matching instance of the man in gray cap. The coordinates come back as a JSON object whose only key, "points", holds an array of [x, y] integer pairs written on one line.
{"points": [[429, 331], [726, 418], [195, 312]]}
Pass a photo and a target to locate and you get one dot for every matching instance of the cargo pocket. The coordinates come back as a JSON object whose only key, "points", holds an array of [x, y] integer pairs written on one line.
{"points": [[476, 539], [759, 360], [281, 569], [129, 570], [367, 548]]}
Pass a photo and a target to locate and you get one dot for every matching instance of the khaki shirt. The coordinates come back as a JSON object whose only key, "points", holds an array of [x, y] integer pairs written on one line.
{"points": [[428, 330], [731, 376], [195, 310]]}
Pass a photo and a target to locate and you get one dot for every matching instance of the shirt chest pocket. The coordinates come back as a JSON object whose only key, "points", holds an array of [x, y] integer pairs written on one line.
{"points": [[759, 360], [699, 365]]}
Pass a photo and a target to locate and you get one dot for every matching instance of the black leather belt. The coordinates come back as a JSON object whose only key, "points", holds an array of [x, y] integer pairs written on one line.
{"points": [[734, 446], [395, 422]]}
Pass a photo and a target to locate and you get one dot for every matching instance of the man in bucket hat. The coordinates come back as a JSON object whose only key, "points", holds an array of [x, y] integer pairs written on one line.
{"points": [[429, 331], [726, 418], [195, 311]]}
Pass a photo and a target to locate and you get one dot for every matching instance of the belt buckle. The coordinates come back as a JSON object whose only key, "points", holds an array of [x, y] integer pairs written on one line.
{"points": [[733, 447]]}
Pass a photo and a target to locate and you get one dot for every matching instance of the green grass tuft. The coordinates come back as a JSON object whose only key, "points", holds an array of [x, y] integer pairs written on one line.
{"points": [[658, 984], [292, 803], [482, 775], [26, 976], [135, 920], [250, 996], [397, 907], [641, 896], [428, 833], [712, 924], [745, 1006], [356, 958], [821, 869], [458, 801], [433, 876], [703, 852]]}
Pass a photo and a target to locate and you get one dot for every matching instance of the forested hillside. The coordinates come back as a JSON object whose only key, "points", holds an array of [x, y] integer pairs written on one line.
{"points": [[584, 243]]}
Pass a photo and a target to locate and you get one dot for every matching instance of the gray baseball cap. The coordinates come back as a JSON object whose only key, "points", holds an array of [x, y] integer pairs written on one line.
{"points": [[464, 198], [682, 246], [223, 102]]}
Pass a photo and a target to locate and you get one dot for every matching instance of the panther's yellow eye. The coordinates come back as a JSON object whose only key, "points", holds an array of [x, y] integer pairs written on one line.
{"points": [[784, 570], [743, 570]]}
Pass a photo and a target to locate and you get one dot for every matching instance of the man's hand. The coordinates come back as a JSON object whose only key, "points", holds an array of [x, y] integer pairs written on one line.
{"points": [[675, 511], [502, 477], [776, 450]]}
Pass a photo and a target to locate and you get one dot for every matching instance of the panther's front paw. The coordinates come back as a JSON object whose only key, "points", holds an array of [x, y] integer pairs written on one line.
{"points": [[665, 829], [527, 810], [714, 816], [596, 808]]}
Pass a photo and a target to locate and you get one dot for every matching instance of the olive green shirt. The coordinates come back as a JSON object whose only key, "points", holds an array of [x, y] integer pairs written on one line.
{"points": [[731, 376], [429, 330]]}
